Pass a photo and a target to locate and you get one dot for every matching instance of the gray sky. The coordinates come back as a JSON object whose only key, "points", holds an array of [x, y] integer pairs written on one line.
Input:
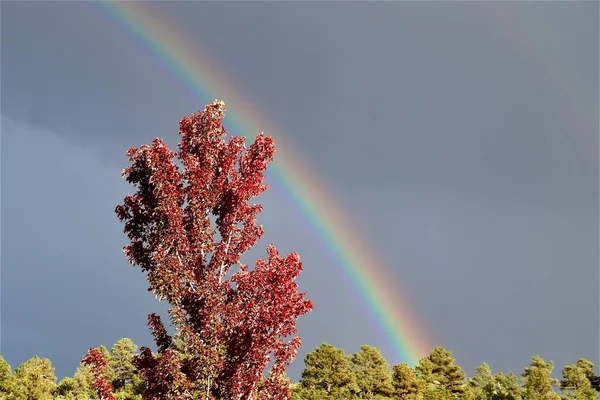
{"points": [[462, 137]]}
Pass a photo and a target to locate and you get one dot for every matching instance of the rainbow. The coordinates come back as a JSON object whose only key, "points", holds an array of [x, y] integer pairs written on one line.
{"points": [[403, 332], [193, 68]]}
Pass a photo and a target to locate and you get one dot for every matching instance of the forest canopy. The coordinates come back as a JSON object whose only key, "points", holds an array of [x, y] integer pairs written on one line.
{"points": [[329, 374]]}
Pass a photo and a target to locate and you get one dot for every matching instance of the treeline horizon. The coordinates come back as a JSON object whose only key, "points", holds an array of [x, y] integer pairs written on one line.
{"points": [[329, 374]]}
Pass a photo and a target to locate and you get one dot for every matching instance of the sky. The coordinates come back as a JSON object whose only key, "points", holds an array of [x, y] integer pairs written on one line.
{"points": [[461, 137]]}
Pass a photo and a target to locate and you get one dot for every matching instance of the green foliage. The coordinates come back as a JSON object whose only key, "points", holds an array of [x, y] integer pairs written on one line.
{"points": [[443, 378], [120, 371], [123, 371], [78, 387], [406, 384], [65, 388], [327, 375], [296, 392], [7, 380], [538, 382], [372, 373], [508, 387], [577, 381], [84, 383], [35, 380], [485, 386]]}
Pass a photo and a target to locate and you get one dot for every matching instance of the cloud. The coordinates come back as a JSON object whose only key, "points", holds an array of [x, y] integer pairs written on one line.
{"points": [[66, 285]]}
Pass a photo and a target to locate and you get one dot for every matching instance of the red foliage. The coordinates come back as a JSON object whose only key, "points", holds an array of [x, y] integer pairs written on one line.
{"points": [[230, 328], [97, 363]]}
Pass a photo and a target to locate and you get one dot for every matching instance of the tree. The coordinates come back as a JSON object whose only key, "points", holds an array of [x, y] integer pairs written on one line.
{"points": [[538, 382], [7, 380], [97, 364], [483, 384], [107, 371], [121, 363], [78, 387], [577, 381], [232, 327], [84, 382], [65, 388], [444, 379], [406, 384], [35, 379], [507, 387], [327, 375], [372, 373], [296, 391], [119, 372]]}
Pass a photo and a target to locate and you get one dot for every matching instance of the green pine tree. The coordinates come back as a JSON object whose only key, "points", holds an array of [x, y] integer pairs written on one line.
{"points": [[123, 370], [84, 383], [406, 384], [327, 375], [372, 373], [508, 387], [443, 378], [35, 380], [7, 380], [65, 389], [577, 381], [483, 384], [537, 380]]}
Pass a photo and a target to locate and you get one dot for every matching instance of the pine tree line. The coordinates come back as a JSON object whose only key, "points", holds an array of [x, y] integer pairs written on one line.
{"points": [[329, 374]]}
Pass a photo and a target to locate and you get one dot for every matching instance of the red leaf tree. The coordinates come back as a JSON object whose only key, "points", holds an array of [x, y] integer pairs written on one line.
{"points": [[97, 364], [230, 327]]}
